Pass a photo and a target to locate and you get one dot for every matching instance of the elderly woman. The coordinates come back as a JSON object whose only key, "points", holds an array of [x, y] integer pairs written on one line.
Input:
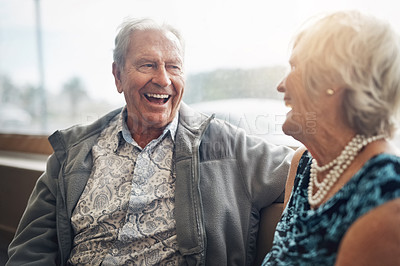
{"points": [[343, 189]]}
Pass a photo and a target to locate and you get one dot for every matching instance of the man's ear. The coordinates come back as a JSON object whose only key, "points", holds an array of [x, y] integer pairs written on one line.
{"points": [[117, 77]]}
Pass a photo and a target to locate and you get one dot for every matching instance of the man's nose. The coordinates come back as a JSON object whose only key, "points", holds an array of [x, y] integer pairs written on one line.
{"points": [[161, 77]]}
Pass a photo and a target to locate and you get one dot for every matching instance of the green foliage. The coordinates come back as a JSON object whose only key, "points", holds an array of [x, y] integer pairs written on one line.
{"points": [[234, 83], [9, 93], [76, 93]]}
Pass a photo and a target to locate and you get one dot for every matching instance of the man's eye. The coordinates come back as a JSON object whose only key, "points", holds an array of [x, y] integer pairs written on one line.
{"points": [[146, 68], [174, 69]]}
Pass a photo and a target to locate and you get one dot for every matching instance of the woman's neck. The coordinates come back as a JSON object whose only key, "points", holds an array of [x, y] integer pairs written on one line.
{"points": [[328, 143]]}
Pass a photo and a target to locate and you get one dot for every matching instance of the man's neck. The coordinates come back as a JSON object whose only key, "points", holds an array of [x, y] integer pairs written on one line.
{"points": [[144, 137]]}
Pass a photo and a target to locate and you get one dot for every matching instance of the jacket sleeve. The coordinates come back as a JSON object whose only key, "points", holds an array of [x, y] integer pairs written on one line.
{"points": [[264, 167], [35, 241]]}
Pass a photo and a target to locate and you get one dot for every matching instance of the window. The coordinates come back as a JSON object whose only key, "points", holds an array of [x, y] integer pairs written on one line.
{"points": [[55, 56]]}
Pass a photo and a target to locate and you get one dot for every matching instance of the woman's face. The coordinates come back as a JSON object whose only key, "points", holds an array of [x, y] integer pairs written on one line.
{"points": [[301, 120]]}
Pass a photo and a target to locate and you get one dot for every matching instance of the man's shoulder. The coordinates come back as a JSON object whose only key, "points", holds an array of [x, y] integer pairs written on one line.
{"points": [[79, 133]]}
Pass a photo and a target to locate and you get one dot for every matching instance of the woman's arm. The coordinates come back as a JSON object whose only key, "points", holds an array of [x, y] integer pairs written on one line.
{"points": [[292, 174], [374, 238]]}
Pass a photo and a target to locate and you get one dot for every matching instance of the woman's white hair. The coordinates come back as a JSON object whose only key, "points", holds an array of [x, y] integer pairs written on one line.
{"points": [[358, 53], [127, 30]]}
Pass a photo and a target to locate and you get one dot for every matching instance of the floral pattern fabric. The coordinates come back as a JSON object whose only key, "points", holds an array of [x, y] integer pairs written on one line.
{"points": [[311, 237]]}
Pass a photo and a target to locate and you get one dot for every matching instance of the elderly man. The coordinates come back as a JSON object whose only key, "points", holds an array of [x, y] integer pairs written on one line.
{"points": [[154, 182]]}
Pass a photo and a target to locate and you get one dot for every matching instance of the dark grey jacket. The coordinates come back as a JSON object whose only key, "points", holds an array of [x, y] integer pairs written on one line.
{"points": [[223, 178]]}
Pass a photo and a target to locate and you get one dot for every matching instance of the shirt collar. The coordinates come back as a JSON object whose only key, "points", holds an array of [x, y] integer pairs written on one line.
{"points": [[125, 134]]}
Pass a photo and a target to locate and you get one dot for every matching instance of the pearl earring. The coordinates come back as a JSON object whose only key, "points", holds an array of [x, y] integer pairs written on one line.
{"points": [[330, 92]]}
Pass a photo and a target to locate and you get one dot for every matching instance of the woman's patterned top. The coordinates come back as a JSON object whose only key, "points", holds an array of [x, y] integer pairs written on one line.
{"points": [[312, 237]]}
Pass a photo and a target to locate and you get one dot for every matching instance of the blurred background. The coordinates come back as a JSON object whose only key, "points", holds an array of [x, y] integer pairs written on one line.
{"points": [[56, 56]]}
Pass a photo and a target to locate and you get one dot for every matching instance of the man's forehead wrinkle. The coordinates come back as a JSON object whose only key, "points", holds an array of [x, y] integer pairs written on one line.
{"points": [[154, 53], [168, 45]]}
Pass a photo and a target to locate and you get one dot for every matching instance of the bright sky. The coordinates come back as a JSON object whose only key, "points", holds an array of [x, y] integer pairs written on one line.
{"points": [[78, 35]]}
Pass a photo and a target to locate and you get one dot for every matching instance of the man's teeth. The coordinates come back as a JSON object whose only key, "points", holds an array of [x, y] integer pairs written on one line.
{"points": [[159, 96]]}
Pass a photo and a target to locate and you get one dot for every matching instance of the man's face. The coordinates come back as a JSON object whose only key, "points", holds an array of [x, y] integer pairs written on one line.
{"points": [[152, 79]]}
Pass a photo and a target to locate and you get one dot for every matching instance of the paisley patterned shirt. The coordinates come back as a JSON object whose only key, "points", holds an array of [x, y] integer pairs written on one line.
{"points": [[311, 237], [125, 215]]}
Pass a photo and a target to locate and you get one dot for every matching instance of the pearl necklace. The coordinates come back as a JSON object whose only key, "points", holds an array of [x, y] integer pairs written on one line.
{"points": [[337, 166]]}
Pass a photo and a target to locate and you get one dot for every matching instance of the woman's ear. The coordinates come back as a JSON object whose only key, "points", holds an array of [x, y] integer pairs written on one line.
{"points": [[117, 77]]}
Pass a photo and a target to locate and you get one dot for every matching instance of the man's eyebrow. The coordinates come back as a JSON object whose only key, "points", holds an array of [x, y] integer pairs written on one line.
{"points": [[149, 59], [174, 61], [144, 59]]}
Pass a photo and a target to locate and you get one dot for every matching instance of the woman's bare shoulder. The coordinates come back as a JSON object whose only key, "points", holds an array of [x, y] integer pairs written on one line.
{"points": [[373, 239], [292, 172]]}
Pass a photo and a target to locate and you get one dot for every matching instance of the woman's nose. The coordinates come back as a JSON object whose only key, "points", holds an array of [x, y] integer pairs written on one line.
{"points": [[281, 86]]}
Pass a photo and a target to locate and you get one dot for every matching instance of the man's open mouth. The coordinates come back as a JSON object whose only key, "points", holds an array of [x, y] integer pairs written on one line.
{"points": [[157, 98]]}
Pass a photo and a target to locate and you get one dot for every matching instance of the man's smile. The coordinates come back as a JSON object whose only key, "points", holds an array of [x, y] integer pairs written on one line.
{"points": [[157, 98]]}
